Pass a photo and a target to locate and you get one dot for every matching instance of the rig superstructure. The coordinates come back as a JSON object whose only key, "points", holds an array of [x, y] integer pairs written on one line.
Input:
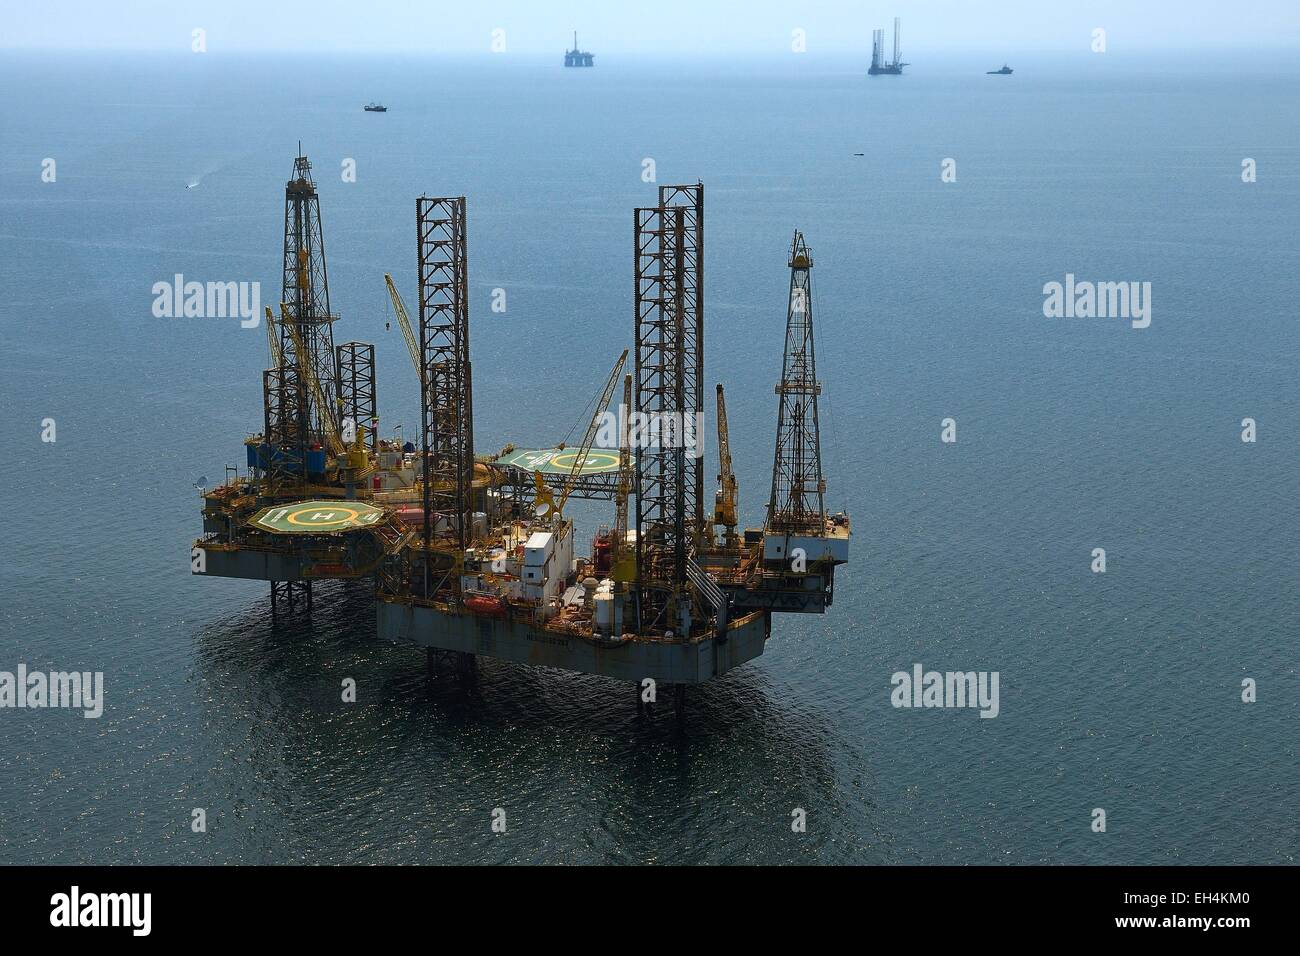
{"points": [[879, 65], [576, 57], [303, 511], [473, 554]]}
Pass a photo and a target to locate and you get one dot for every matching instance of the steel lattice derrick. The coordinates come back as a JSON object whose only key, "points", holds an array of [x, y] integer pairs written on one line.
{"points": [[662, 472], [797, 504], [690, 303], [305, 291], [284, 397], [356, 388], [446, 405]]}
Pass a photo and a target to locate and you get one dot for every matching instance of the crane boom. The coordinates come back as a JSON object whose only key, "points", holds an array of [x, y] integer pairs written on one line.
{"points": [[555, 507], [331, 427], [724, 512], [404, 320], [623, 571], [273, 340], [602, 405]]}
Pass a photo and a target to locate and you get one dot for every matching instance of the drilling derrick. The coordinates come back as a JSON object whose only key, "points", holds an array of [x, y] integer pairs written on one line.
{"points": [[664, 476], [284, 521], [305, 292], [797, 505], [446, 407], [801, 544]]}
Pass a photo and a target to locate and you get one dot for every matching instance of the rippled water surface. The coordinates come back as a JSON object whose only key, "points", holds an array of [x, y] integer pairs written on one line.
{"points": [[1119, 691]]}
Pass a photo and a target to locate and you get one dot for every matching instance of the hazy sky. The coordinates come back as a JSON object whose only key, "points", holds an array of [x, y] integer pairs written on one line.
{"points": [[998, 27]]}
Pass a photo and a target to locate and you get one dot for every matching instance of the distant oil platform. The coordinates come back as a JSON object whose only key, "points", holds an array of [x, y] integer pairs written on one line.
{"points": [[576, 57], [1005, 71], [879, 65]]}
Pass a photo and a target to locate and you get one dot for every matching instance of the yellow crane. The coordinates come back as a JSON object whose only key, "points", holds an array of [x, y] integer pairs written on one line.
{"points": [[546, 505], [412, 343], [623, 559], [332, 438], [273, 340], [724, 507]]}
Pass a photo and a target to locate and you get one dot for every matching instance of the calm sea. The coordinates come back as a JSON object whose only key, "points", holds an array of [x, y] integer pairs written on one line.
{"points": [[1119, 691]]}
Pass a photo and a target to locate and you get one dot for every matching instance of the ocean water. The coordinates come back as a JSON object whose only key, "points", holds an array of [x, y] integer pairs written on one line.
{"points": [[1119, 691]]}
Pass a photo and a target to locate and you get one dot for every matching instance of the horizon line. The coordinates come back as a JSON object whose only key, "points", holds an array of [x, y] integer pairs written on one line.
{"points": [[1280, 45]]}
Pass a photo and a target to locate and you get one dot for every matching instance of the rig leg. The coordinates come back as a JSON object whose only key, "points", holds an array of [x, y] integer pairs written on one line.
{"points": [[289, 593], [466, 667], [679, 700], [640, 703], [430, 662]]}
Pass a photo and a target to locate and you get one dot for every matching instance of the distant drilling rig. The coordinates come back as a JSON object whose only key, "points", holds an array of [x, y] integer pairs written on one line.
{"points": [[473, 554], [879, 65]]}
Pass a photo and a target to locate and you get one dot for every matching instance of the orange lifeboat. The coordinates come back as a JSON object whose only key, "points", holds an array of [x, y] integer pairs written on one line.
{"points": [[483, 604]]}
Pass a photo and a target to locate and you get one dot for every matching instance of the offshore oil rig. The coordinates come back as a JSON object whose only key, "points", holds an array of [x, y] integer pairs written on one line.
{"points": [[879, 65], [576, 57], [473, 554]]}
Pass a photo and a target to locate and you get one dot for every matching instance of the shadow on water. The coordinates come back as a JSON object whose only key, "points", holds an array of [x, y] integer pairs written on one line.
{"points": [[414, 768]]}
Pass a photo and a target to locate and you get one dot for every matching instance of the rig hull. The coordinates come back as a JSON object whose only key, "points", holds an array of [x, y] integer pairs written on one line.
{"points": [[257, 564], [252, 565], [523, 642]]}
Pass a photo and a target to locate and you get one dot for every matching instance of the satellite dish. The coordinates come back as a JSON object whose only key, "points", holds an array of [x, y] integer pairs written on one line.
{"points": [[541, 508], [201, 482]]}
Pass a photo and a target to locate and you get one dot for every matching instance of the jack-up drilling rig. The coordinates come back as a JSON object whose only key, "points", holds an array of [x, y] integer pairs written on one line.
{"points": [[303, 511], [880, 66], [684, 608], [474, 555]]}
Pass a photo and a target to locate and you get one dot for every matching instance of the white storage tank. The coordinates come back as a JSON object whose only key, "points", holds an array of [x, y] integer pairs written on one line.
{"points": [[604, 611]]}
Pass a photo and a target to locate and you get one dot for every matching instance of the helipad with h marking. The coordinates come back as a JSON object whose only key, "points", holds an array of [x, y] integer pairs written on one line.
{"points": [[316, 517], [559, 461]]}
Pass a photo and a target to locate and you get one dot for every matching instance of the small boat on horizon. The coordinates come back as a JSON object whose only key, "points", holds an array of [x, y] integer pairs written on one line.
{"points": [[375, 108], [1005, 71]]}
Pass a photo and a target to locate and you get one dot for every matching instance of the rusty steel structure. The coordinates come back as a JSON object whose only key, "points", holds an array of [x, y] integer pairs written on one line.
{"points": [[356, 389], [690, 302], [669, 486], [446, 399], [797, 502], [284, 407]]}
